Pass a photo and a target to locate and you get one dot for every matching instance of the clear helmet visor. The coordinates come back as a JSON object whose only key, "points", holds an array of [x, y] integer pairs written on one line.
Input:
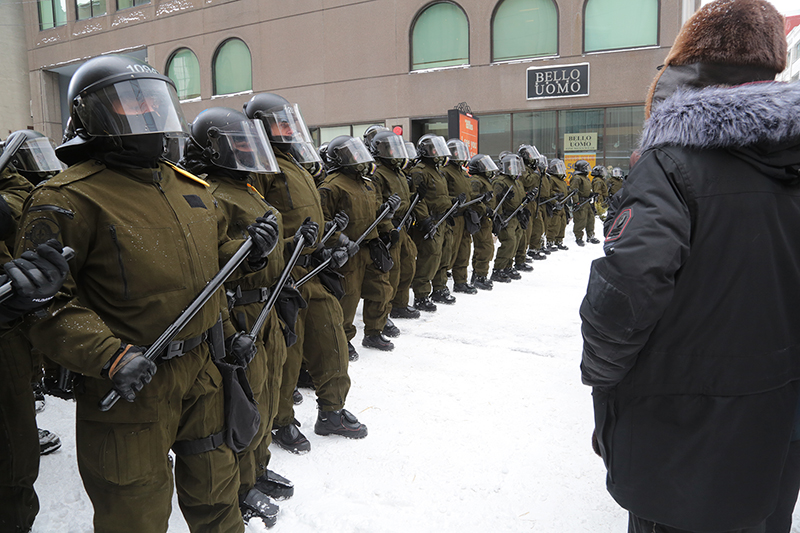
{"points": [[391, 147], [285, 124], [438, 147], [617, 173], [512, 166], [38, 155], [304, 153], [487, 164], [132, 107], [243, 146], [459, 151], [530, 153], [411, 150], [352, 152], [557, 168]]}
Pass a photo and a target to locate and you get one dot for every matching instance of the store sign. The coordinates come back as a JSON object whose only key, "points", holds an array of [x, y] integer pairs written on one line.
{"points": [[571, 159], [580, 142], [465, 127], [558, 82]]}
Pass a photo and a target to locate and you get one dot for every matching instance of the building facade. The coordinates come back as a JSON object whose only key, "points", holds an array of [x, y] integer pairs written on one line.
{"points": [[569, 76]]}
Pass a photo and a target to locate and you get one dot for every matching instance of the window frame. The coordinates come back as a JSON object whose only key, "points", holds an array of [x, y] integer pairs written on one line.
{"points": [[658, 33], [52, 4], [199, 71], [214, 66], [491, 37], [414, 21], [136, 3], [91, 9]]}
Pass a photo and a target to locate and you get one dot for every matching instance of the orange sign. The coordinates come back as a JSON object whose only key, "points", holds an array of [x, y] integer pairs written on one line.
{"points": [[572, 158], [468, 132]]}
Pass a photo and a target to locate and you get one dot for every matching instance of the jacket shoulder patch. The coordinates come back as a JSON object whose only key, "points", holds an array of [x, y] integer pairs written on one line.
{"points": [[620, 223], [194, 201]]}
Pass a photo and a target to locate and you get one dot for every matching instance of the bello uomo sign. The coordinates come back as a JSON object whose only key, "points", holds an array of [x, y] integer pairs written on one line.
{"points": [[558, 82]]}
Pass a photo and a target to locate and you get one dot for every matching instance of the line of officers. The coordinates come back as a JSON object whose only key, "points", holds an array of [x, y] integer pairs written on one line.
{"points": [[153, 208]]}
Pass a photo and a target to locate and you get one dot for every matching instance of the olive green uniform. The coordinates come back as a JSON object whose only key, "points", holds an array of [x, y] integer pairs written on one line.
{"points": [[360, 200], [19, 439], [601, 203], [324, 349], [582, 217], [539, 212], [558, 221], [455, 254], [614, 185], [404, 251], [435, 204], [510, 235], [483, 241], [242, 204], [528, 180], [146, 243]]}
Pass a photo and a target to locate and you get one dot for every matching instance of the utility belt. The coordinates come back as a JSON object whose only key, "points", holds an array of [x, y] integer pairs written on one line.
{"points": [[181, 348], [240, 297]]}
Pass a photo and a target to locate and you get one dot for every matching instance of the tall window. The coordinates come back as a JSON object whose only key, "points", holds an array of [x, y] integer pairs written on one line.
{"points": [[440, 37], [125, 4], [233, 72], [184, 69], [524, 28], [52, 13], [615, 24], [90, 8]]}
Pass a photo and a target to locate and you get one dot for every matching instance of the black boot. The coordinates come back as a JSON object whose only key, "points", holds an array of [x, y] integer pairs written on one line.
{"points": [[500, 276], [48, 442], [352, 354], [297, 397], [256, 504], [522, 267], [579, 242], [404, 312], [341, 422], [545, 249], [592, 239], [553, 246], [443, 296], [480, 282], [379, 342], [539, 255], [390, 330], [466, 288], [424, 304], [561, 246], [290, 439], [512, 273], [275, 486]]}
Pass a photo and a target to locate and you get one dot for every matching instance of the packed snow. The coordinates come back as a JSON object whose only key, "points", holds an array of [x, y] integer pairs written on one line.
{"points": [[478, 422]]}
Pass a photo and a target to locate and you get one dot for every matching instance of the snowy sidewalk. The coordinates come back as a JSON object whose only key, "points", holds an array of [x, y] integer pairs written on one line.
{"points": [[477, 422]]}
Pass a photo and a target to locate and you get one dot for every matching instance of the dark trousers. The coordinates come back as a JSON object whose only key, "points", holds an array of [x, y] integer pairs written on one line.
{"points": [[640, 525], [780, 521]]}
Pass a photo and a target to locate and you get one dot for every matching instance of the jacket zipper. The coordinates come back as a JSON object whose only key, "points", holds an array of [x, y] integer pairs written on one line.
{"points": [[60, 210], [114, 238]]}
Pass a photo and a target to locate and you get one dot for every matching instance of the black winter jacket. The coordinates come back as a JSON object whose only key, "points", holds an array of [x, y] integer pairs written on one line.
{"points": [[691, 321]]}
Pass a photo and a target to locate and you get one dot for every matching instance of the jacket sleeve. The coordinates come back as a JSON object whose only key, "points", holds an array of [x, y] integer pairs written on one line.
{"points": [[421, 211], [630, 287]]}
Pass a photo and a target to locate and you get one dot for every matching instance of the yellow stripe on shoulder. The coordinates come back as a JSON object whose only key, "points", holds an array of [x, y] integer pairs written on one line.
{"points": [[187, 174]]}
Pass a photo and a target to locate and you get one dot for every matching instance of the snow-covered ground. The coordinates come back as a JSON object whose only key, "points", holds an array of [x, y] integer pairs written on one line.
{"points": [[477, 422]]}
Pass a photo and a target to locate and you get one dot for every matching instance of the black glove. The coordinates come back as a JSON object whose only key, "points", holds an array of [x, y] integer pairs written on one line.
{"points": [[288, 306], [36, 276], [308, 229], [531, 195], [129, 370], [340, 219], [264, 232], [559, 195], [594, 195], [489, 213], [349, 246], [426, 225], [461, 198], [422, 190], [393, 203], [338, 256], [241, 347], [390, 237], [487, 196]]}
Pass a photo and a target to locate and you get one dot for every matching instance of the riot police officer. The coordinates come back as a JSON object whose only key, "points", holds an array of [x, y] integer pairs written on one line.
{"points": [[482, 169], [583, 214], [508, 193], [456, 252], [600, 188]]}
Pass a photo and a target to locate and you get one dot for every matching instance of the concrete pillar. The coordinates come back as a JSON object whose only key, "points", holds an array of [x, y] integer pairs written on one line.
{"points": [[15, 103]]}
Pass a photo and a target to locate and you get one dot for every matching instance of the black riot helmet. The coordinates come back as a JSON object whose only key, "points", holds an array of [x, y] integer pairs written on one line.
{"points": [[35, 158], [349, 154], [433, 147], [482, 165], [458, 151], [582, 167], [370, 133], [511, 165], [230, 140], [308, 158], [411, 150], [390, 148], [529, 154], [282, 120], [599, 171], [616, 172], [555, 167], [323, 154]]}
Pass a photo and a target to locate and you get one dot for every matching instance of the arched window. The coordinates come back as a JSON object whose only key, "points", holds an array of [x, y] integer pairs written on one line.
{"points": [[184, 69], [440, 37], [233, 72], [615, 24], [524, 28]]}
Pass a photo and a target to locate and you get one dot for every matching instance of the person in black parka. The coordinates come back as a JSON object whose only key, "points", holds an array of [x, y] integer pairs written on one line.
{"points": [[690, 321]]}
